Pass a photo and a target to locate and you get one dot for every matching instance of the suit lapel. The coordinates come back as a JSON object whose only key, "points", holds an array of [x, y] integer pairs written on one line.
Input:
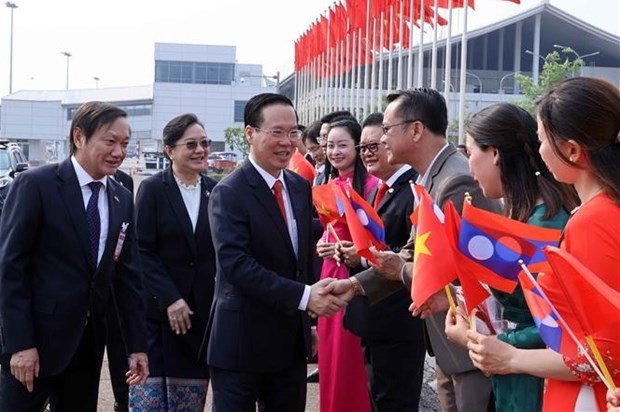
{"points": [[178, 206], [203, 213], [298, 206], [436, 168], [114, 221], [267, 200], [71, 194]]}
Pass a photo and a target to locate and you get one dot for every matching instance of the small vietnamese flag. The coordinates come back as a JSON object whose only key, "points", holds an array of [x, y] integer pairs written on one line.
{"points": [[433, 262], [302, 167], [324, 201]]}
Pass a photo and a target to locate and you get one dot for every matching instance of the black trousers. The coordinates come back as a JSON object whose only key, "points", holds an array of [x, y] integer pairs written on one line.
{"points": [[274, 392], [76, 389], [118, 363], [395, 373]]}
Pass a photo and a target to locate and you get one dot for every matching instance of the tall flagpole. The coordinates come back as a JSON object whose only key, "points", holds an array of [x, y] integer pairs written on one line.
{"points": [[434, 49], [367, 89], [448, 62], [399, 73], [410, 52], [463, 80], [388, 86], [421, 47], [373, 69], [380, 80], [352, 84]]}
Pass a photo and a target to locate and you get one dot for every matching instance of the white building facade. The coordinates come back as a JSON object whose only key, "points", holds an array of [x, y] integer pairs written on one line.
{"points": [[201, 79]]}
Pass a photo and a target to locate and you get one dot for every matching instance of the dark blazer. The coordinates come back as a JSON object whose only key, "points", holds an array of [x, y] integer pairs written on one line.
{"points": [[255, 325], [124, 179], [449, 179], [390, 319], [177, 262], [48, 282]]}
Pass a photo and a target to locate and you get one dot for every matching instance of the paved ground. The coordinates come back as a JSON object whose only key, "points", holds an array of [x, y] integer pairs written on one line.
{"points": [[428, 402]]}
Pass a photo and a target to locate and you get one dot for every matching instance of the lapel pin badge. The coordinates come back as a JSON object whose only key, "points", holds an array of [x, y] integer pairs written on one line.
{"points": [[116, 199]]}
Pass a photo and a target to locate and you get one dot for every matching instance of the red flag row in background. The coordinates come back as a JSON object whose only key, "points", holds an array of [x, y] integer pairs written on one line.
{"points": [[357, 16]]}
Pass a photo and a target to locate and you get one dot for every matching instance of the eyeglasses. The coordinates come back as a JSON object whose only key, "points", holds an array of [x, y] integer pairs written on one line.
{"points": [[193, 144], [386, 128], [281, 134], [371, 147]]}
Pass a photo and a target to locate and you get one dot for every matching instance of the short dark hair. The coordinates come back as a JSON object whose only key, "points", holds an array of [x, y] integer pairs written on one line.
{"points": [[423, 104], [586, 110], [523, 174], [311, 133], [333, 116], [175, 128], [253, 113], [91, 116], [373, 119]]}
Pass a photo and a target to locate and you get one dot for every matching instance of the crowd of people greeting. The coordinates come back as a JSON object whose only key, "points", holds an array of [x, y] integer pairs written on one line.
{"points": [[237, 284]]}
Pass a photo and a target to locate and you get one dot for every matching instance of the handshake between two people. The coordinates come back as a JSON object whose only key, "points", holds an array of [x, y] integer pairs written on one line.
{"points": [[330, 295]]}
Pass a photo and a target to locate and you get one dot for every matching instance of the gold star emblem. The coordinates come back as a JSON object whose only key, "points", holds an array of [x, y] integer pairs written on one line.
{"points": [[420, 245]]}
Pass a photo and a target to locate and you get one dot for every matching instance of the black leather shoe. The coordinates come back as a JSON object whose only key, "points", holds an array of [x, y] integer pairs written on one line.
{"points": [[313, 377]]}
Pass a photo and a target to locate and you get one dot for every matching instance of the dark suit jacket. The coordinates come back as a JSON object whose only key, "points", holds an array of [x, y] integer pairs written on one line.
{"points": [[255, 325], [449, 179], [177, 262], [390, 319], [124, 179], [48, 281]]}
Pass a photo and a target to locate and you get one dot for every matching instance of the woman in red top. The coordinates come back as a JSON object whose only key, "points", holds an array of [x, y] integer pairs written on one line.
{"points": [[579, 130]]}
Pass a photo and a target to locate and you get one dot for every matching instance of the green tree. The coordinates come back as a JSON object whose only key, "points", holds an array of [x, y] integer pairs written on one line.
{"points": [[554, 70], [234, 137]]}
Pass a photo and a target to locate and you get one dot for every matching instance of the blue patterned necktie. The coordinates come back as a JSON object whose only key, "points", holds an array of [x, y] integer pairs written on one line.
{"points": [[93, 220]]}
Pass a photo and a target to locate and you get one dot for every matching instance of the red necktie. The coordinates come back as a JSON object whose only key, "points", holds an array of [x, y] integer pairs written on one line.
{"points": [[383, 188], [277, 191]]}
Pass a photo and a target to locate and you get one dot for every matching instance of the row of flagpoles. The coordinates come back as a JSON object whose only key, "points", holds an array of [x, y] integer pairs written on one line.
{"points": [[339, 60]]}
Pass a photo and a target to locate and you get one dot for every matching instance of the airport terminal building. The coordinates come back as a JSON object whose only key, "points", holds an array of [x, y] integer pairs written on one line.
{"points": [[208, 81]]}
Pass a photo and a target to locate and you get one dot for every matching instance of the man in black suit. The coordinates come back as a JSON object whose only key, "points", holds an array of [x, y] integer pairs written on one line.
{"points": [[392, 339], [261, 223], [414, 127], [115, 347], [67, 240]]}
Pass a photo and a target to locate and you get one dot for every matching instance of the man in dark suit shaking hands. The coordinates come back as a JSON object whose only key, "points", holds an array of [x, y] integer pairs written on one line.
{"points": [[261, 223], [67, 240]]}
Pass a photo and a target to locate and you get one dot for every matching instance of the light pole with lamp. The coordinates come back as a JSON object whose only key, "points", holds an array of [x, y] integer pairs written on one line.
{"points": [[275, 77], [501, 82], [536, 55], [535, 67], [11, 6], [477, 77], [67, 55], [96, 79], [580, 61]]}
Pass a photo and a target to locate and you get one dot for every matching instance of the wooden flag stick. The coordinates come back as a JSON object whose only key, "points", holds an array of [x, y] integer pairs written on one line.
{"points": [[609, 382], [450, 299], [330, 229]]}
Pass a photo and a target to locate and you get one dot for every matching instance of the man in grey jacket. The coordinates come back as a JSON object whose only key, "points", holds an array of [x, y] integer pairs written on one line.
{"points": [[414, 127]]}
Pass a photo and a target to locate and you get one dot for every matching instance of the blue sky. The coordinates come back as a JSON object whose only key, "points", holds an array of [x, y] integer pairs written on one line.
{"points": [[114, 39]]}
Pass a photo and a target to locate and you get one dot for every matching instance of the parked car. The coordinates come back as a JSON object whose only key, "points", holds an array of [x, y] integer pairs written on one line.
{"points": [[12, 162]]}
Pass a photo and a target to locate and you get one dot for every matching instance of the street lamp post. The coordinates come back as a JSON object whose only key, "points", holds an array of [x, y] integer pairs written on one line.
{"points": [[479, 80], [275, 77], [501, 81], [536, 55], [11, 6], [580, 61], [96, 79], [67, 55]]}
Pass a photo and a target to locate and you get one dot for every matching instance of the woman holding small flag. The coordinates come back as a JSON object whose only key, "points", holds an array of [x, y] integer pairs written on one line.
{"points": [[579, 130], [343, 382], [502, 148]]}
